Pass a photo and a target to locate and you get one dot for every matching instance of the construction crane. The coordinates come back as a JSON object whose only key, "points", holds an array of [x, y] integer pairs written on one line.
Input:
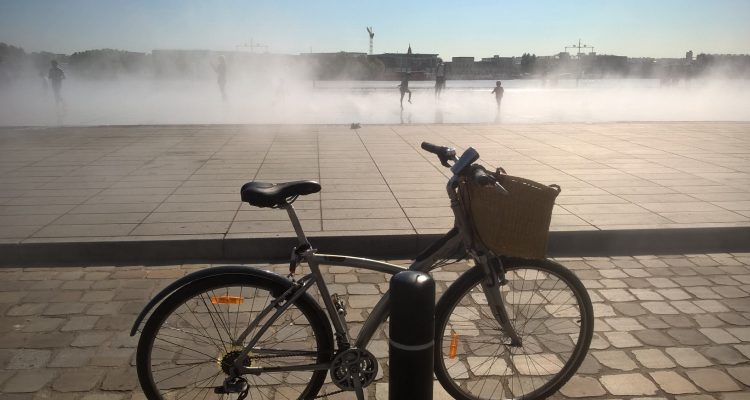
{"points": [[579, 47], [372, 35]]}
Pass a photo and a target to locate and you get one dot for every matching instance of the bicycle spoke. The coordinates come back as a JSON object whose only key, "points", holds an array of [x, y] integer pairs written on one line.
{"points": [[542, 309], [207, 320]]}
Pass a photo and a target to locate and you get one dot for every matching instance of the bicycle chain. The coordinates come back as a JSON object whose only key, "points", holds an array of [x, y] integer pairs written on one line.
{"points": [[278, 356], [301, 354]]}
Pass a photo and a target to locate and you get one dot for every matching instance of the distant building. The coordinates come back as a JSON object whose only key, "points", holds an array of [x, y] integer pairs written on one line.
{"points": [[604, 65], [496, 67], [460, 68], [340, 65], [420, 66]]}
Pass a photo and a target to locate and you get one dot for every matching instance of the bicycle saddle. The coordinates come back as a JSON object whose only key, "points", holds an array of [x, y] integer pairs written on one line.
{"points": [[262, 194]]}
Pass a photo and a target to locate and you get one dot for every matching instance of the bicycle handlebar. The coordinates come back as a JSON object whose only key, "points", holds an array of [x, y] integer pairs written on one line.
{"points": [[464, 166]]}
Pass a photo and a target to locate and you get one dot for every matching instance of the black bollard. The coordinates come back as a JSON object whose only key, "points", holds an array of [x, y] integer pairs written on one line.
{"points": [[412, 333]]}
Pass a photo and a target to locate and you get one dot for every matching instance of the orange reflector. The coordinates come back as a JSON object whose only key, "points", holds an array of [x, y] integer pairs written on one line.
{"points": [[227, 300], [454, 346]]}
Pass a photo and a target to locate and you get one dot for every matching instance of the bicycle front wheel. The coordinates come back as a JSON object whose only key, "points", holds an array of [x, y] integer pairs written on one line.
{"points": [[548, 308], [190, 341]]}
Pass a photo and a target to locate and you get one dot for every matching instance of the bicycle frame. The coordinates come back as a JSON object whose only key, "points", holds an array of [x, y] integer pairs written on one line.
{"points": [[444, 248], [314, 260]]}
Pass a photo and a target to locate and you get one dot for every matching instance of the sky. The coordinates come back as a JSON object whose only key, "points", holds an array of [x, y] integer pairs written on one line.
{"points": [[633, 28]]}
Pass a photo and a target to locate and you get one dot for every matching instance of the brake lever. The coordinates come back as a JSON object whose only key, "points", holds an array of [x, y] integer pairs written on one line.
{"points": [[449, 155]]}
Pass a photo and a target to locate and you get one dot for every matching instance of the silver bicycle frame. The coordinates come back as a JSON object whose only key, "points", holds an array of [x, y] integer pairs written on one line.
{"points": [[377, 316], [381, 310]]}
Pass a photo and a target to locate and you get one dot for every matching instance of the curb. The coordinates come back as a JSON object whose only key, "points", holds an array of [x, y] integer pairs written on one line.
{"points": [[561, 244]]}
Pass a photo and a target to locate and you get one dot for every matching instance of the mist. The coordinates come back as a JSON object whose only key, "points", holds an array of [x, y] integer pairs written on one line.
{"points": [[283, 92]]}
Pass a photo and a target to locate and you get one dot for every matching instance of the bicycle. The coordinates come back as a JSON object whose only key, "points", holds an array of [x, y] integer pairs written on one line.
{"points": [[506, 328]]}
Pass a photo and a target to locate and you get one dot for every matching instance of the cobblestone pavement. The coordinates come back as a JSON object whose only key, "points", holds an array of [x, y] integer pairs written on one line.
{"points": [[668, 327]]}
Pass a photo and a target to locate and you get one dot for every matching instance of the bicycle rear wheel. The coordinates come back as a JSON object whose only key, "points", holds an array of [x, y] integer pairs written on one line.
{"points": [[550, 311], [186, 346]]}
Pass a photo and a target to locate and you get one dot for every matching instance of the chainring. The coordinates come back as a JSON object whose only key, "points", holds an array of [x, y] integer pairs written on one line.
{"points": [[352, 365]]}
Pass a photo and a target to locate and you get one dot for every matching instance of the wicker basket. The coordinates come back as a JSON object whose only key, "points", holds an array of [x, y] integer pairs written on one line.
{"points": [[516, 224]]}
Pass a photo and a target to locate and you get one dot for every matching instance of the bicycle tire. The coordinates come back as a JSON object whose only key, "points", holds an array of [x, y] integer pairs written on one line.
{"points": [[481, 356], [304, 317]]}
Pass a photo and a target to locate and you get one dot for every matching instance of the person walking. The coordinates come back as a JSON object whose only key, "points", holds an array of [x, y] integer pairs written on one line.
{"points": [[439, 79], [221, 76], [404, 88], [56, 76], [498, 91]]}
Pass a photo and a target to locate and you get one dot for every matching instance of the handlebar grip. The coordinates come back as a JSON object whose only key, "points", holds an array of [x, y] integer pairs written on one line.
{"points": [[435, 149], [445, 154]]}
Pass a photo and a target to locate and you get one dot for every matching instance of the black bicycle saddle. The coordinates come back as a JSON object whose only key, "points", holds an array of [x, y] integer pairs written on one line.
{"points": [[263, 194]]}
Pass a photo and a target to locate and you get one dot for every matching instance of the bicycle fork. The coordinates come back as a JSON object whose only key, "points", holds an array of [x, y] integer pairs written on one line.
{"points": [[491, 287]]}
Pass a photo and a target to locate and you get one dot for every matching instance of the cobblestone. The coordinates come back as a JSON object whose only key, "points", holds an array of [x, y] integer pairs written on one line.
{"points": [[72, 357], [622, 339], [719, 336], [29, 359], [713, 380], [659, 307], [615, 359], [28, 381], [688, 357], [742, 374], [119, 379], [628, 384], [671, 382], [663, 335], [110, 357], [724, 355], [80, 323], [653, 359], [689, 337], [79, 380], [579, 386], [654, 338]]}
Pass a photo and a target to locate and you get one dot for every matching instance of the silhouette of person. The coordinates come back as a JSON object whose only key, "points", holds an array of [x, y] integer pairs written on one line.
{"points": [[45, 84], [404, 88], [439, 79], [56, 76], [221, 76], [4, 79], [498, 91]]}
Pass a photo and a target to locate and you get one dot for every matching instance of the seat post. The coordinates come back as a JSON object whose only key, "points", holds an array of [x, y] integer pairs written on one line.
{"points": [[295, 223]]}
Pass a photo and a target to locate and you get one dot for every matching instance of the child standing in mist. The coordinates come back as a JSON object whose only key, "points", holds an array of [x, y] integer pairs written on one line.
{"points": [[56, 76], [498, 91], [439, 79], [404, 88], [221, 76]]}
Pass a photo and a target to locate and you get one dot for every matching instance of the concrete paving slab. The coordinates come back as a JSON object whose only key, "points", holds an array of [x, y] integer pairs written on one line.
{"points": [[640, 185]]}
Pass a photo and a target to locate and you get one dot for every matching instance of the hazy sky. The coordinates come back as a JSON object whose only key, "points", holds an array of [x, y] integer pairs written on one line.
{"points": [[635, 28]]}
